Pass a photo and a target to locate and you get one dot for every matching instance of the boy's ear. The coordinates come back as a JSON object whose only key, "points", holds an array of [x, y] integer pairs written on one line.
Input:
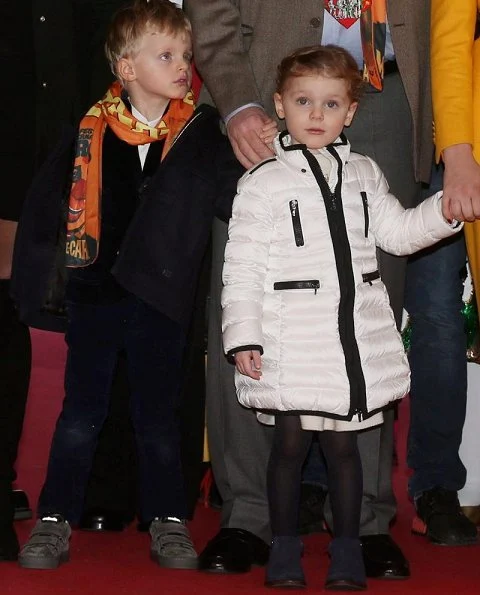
{"points": [[277, 98], [125, 70], [351, 112]]}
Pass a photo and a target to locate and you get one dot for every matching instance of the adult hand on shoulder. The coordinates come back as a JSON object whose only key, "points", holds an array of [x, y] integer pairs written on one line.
{"points": [[461, 184], [246, 133], [249, 363]]}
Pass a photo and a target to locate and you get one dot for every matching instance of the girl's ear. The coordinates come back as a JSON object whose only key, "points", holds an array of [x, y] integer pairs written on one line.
{"points": [[277, 98], [351, 112]]}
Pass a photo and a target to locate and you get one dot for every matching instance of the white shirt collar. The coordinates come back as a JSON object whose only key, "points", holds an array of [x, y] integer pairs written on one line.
{"points": [[136, 114]]}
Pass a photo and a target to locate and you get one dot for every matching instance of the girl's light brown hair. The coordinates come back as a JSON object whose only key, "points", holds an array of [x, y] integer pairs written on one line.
{"points": [[129, 25], [326, 60]]}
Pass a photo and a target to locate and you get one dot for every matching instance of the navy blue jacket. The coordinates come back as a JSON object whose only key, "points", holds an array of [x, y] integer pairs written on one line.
{"points": [[160, 257]]}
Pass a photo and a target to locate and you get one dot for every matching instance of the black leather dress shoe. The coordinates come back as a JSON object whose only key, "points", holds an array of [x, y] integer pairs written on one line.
{"points": [[98, 519], [232, 551], [441, 520], [8, 544], [383, 558], [21, 506]]}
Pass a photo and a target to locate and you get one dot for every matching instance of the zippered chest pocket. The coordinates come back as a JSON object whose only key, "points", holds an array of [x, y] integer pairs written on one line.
{"points": [[303, 284], [296, 222]]}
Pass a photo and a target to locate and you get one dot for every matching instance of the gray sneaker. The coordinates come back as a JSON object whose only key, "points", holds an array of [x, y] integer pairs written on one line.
{"points": [[172, 545], [47, 547]]}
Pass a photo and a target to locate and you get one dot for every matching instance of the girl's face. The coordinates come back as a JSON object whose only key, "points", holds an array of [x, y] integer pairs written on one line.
{"points": [[315, 108]]}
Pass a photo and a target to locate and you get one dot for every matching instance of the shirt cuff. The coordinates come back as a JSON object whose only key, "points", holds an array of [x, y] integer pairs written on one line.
{"points": [[240, 109]]}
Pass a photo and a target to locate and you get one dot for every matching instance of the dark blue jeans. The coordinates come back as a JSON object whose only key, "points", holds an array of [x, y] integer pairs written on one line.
{"points": [[437, 356], [154, 347]]}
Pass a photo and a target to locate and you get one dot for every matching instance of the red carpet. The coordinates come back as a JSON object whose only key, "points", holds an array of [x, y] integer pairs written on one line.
{"points": [[116, 564]]}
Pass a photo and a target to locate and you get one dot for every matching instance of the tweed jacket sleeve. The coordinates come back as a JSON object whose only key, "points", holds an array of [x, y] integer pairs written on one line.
{"points": [[452, 48], [220, 54]]}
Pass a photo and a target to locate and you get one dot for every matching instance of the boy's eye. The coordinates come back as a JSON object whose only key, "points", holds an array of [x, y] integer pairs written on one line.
{"points": [[302, 101], [166, 56], [188, 56], [332, 103]]}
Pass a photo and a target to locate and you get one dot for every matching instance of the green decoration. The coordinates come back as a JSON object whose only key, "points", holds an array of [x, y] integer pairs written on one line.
{"points": [[407, 335], [470, 315]]}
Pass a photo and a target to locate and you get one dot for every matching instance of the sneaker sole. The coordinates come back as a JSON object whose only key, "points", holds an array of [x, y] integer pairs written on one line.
{"points": [[43, 564], [177, 563]]}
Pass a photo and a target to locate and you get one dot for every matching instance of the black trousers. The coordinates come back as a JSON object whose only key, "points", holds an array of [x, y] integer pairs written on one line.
{"points": [[15, 363], [112, 483]]}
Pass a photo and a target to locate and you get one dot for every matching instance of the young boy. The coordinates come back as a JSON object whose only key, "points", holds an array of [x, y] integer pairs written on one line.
{"points": [[305, 314], [149, 175]]}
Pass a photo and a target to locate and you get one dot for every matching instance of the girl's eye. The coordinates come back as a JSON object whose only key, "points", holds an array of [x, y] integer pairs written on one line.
{"points": [[188, 57], [166, 56], [302, 101], [332, 104]]}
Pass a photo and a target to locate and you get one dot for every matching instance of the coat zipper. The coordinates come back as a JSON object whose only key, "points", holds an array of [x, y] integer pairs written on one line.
{"points": [[365, 212], [343, 260], [297, 224]]}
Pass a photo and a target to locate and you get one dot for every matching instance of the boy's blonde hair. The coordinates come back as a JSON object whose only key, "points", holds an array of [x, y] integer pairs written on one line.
{"points": [[130, 24]]}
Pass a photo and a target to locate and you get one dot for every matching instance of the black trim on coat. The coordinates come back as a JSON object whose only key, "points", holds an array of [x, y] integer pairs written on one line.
{"points": [[261, 164], [346, 282], [369, 277], [327, 414], [246, 348], [235, 350]]}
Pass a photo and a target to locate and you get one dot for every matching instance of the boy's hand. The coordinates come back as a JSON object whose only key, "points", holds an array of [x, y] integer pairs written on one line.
{"points": [[249, 363]]}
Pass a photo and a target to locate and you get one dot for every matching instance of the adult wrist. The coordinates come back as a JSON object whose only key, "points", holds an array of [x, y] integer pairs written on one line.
{"points": [[457, 152], [240, 109]]}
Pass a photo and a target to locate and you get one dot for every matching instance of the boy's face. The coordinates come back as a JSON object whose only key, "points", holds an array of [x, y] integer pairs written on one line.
{"points": [[315, 108], [161, 68]]}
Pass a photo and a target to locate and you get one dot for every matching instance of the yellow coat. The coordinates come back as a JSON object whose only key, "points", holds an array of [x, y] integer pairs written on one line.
{"points": [[456, 92]]}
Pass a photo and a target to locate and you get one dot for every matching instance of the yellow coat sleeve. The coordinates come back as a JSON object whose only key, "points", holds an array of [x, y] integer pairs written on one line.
{"points": [[452, 32]]}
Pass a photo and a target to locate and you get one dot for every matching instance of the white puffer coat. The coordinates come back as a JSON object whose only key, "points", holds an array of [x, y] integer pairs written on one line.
{"points": [[301, 281]]}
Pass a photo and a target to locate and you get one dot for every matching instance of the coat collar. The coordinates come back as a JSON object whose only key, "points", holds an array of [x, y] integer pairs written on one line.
{"points": [[293, 154]]}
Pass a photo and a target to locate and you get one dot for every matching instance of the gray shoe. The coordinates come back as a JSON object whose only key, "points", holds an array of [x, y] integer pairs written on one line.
{"points": [[172, 545], [47, 547]]}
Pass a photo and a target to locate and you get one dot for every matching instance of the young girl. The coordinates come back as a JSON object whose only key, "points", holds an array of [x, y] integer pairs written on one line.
{"points": [[306, 316]]}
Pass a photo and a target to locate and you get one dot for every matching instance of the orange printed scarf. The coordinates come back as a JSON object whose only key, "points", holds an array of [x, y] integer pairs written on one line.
{"points": [[84, 208], [373, 27]]}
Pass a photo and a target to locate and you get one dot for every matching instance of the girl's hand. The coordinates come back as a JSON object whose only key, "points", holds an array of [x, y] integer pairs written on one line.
{"points": [[249, 363], [269, 132]]}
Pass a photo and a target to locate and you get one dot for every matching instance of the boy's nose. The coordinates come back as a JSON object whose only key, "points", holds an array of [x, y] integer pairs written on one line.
{"points": [[317, 114]]}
